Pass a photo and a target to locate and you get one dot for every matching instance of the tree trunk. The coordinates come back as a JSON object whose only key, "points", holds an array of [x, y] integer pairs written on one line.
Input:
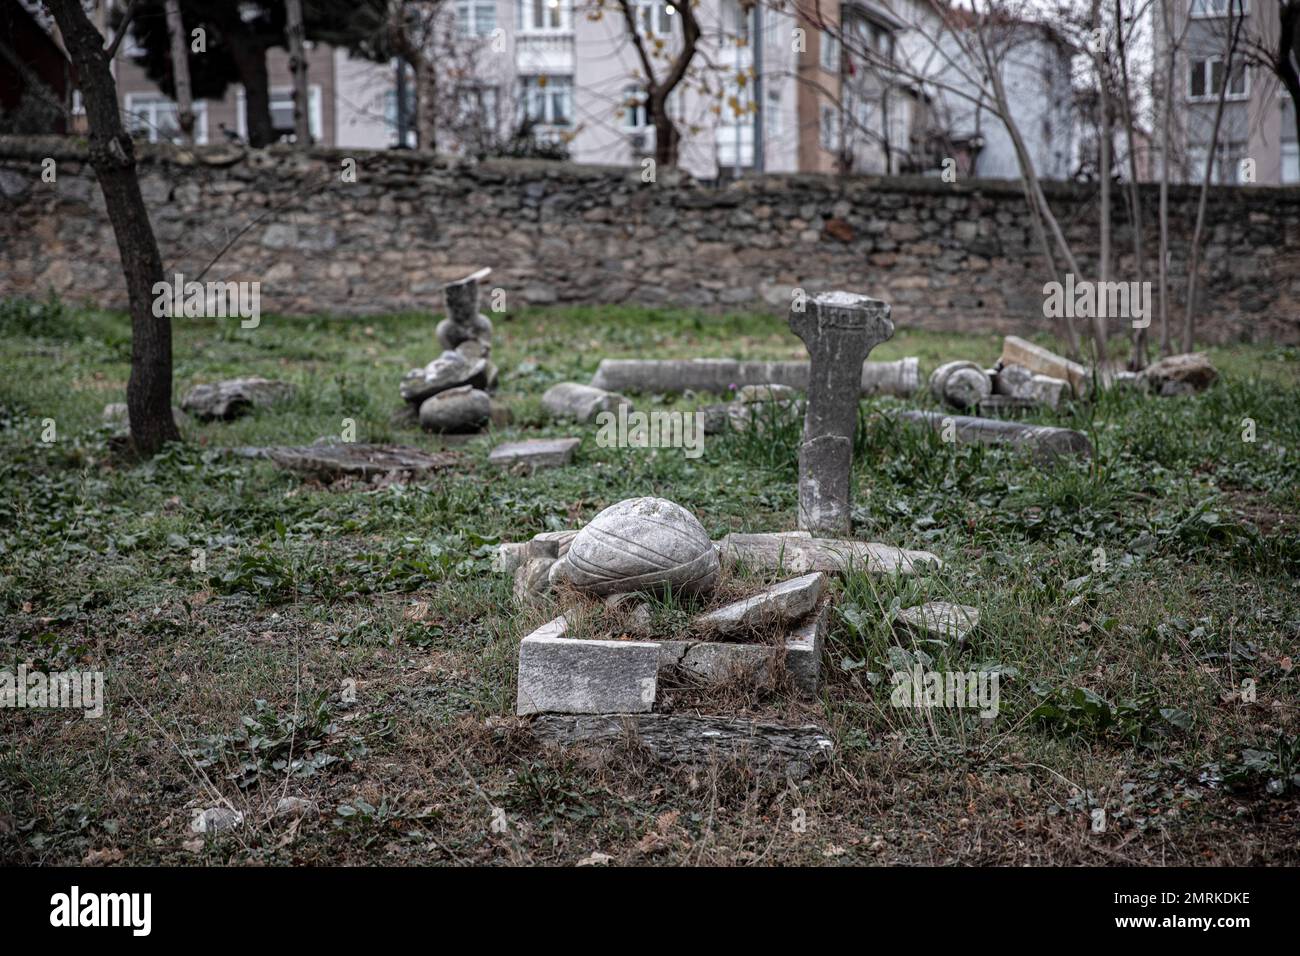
{"points": [[1194, 254], [426, 104], [112, 154], [667, 139], [180, 71], [1099, 325], [250, 62], [1288, 47], [1137, 360], [298, 67], [1162, 265]]}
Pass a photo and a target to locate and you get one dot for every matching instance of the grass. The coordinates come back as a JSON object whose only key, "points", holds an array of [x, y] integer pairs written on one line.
{"points": [[263, 637]]}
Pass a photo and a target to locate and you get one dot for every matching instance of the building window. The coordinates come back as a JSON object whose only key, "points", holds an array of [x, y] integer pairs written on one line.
{"points": [[1219, 8], [1290, 162], [773, 121], [538, 16], [546, 100], [1226, 167], [830, 51], [476, 18], [830, 128], [635, 114], [1205, 80], [655, 17], [154, 117], [281, 102]]}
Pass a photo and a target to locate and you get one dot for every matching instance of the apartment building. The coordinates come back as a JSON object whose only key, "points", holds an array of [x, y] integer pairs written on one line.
{"points": [[1258, 123]]}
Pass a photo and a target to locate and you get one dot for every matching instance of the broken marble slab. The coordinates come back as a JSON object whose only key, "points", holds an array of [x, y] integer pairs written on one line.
{"points": [[449, 370], [532, 578], [941, 620], [1018, 351], [329, 461], [798, 555], [565, 676], [1046, 443], [582, 403], [1179, 374], [535, 452], [901, 378], [782, 604], [685, 740], [233, 397]]}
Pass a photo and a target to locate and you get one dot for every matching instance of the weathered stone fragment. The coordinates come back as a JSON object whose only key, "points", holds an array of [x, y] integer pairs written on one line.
{"points": [[641, 544], [535, 452], [449, 370], [234, 397], [1047, 444], [787, 554], [676, 739], [941, 620], [462, 409], [901, 378], [532, 579], [960, 384], [1180, 374], [840, 329], [557, 675], [581, 403], [782, 603], [1017, 351]]}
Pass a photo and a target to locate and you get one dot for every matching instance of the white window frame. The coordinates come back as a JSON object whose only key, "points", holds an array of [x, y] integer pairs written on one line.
{"points": [[525, 22], [315, 116], [828, 52], [635, 105], [467, 18], [528, 82], [154, 99], [1206, 9], [654, 18], [1289, 173], [828, 134], [1211, 94]]}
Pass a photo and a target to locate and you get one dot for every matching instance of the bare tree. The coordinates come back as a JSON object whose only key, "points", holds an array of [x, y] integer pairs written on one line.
{"points": [[112, 154], [660, 85], [1236, 16], [180, 70], [294, 34]]}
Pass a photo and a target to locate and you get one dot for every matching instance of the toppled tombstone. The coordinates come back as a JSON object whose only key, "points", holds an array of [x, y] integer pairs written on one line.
{"points": [[1046, 443], [799, 555], [940, 620], [640, 544], [330, 461], [782, 603], [233, 397], [1179, 374], [1005, 406], [839, 330], [1017, 381], [1018, 351], [676, 739], [901, 378], [573, 401], [960, 384], [463, 409], [535, 453]]}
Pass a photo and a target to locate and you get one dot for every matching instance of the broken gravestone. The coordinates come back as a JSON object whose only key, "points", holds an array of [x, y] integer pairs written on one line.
{"points": [[839, 329], [534, 453], [233, 397]]}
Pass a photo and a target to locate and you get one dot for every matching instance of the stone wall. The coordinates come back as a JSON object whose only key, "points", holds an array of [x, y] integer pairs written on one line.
{"points": [[948, 256]]}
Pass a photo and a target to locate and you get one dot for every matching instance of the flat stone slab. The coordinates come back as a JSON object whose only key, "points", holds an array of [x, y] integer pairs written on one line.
{"points": [[1018, 351], [537, 452], [940, 619], [1045, 442], [783, 603], [573, 401], [565, 676], [798, 555], [681, 739], [233, 397], [329, 462], [901, 378]]}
